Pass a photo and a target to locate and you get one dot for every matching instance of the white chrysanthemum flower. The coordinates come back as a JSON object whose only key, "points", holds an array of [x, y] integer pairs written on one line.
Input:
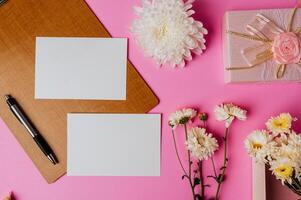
{"points": [[283, 169], [294, 146], [181, 117], [289, 146], [293, 151], [257, 145], [167, 32], [281, 123], [280, 138], [228, 112], [201, 144]]}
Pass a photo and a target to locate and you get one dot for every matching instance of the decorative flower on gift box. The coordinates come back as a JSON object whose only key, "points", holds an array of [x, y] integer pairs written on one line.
{"points": [[283, 46], [279, 147], [286, 48], [167, 31]]}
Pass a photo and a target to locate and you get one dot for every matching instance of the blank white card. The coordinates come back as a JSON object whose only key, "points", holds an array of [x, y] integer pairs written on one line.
{"points": [[80, 68], [113, 145]]}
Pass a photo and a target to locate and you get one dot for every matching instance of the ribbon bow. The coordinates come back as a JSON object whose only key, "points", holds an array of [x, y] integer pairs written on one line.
{"points": [[282, 46]]}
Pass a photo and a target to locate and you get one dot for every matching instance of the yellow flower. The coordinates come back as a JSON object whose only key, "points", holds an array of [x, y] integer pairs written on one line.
{"points": [[280, 124], [283, 169], [260, 146]]}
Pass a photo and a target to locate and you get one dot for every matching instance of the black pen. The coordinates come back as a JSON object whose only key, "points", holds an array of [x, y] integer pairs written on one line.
{"points": [[40, 141]]}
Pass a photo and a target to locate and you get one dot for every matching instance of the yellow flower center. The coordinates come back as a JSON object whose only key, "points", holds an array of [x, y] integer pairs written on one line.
{"points": [[161, 31], [256, 145], [280, 123], [201, 140], [284, 171]]}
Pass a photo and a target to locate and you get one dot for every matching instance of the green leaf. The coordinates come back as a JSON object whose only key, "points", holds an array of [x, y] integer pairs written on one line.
{"points": [[199, 197], [203, 117], [197, 181], [220, 178]]}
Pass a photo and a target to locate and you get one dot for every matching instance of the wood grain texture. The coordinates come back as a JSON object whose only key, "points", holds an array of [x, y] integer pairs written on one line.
{"points": [[21, 22]]}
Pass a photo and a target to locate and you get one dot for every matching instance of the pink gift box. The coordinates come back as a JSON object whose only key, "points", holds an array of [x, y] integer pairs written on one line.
{"points": [[234, 47]]}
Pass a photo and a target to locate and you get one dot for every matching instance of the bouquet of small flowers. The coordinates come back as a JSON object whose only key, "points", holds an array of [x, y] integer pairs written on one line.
{"points": [[202, 145], [279, 147]]}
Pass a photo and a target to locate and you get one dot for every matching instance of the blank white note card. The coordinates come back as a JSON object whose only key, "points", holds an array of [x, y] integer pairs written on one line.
{"points": [[113, 145], [80, 68]]}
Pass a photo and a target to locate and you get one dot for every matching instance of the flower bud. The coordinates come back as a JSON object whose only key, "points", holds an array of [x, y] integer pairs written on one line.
{"points": [[203, 116]]}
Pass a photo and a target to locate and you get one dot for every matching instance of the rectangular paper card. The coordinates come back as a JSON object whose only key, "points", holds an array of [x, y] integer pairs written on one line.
{"points": [[81, 68], [113, 145]]}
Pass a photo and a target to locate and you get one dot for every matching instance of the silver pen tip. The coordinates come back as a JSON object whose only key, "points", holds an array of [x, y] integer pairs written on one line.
{"points": [[52, 159], [7, 96]]}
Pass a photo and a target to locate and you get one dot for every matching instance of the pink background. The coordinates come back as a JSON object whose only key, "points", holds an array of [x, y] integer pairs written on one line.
{"points": [[200, 85]]}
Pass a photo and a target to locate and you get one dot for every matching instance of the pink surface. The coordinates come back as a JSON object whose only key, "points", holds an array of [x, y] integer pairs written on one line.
{"points": [[200, 85]]}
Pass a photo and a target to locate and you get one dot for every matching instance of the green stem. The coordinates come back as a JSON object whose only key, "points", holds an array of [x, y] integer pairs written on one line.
{"points": [[296, 185], [188, 176], [292, 188], [177, 153], [222, 175], [202, 191], [297, 182], [189, 164], [192, 189], [213, 166], [188, 152]]}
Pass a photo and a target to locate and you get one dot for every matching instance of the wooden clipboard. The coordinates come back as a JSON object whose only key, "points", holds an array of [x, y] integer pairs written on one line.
{"points": [[21, 22]]}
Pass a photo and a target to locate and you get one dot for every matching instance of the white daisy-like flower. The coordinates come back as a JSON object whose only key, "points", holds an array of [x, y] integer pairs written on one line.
{"points": [[293, 151], [280, 138], [283, 169], [294, 146], [257, 145], [167, 31], [281, 123], [181, 117], [279, 147], [228, 112], [202, 145], [289, 146]]}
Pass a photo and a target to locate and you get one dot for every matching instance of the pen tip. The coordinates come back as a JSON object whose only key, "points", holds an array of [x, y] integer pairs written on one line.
{"points": [[52, 159], [7, 96]]}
